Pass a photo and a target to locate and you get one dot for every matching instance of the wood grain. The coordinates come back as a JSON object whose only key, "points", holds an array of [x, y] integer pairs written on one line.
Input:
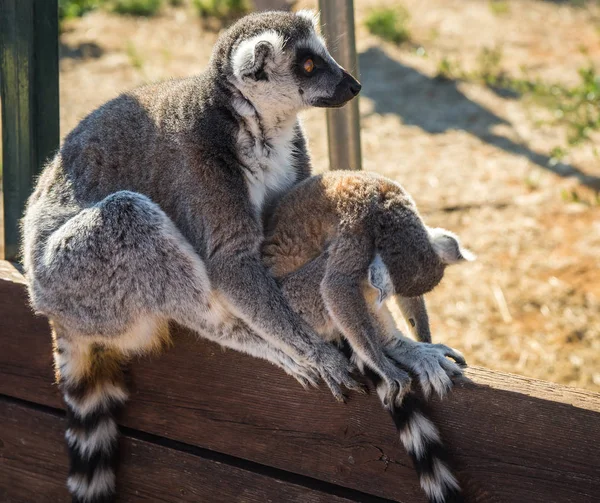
{"points": [[513, 439], [34, 468]]}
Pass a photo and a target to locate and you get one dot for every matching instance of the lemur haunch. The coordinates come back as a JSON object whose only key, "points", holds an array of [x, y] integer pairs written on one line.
{"points": [[151, 211], [339, 244]]}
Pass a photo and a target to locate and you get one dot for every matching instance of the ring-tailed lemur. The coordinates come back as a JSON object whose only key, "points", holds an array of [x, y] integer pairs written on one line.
{"points": [[339, 245], [151, 210]]}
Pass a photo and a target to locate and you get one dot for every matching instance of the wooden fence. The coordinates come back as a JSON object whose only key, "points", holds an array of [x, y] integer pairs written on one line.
{"points": [[207, 425]]}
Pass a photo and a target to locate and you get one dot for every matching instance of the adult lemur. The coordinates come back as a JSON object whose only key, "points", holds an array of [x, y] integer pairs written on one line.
{"points": [[339, 244], [151, 211]]}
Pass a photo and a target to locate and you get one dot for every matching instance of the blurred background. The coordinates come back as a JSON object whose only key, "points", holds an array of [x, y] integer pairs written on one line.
{"points": [[488, 112]]}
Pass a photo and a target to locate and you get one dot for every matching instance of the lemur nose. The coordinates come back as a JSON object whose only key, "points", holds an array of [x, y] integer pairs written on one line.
{"points": [[353, 84]]}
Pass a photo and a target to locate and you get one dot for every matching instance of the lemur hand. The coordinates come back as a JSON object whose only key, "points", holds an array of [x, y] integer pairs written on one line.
{"points": [[429, 363]]}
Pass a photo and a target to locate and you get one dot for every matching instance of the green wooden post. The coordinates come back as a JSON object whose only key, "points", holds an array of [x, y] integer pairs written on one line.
{"points": [[29, 93]]}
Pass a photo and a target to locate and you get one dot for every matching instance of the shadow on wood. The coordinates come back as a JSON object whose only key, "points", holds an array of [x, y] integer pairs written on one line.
{"points": [[513, 439]]}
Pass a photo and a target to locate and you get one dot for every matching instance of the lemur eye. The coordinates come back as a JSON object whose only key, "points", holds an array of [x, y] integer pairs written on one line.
{"points": [[308, 66]]}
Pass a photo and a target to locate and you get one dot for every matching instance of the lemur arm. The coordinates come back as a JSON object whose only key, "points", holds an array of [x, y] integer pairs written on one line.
{"points": [[342, 290], [230, 239]]}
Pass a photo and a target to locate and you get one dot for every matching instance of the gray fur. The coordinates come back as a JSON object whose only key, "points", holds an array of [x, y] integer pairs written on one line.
{"points": [[339, 244], [152, 209], [153, 186]]}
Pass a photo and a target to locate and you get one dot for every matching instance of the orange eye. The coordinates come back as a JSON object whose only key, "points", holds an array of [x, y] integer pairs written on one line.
{"points": [[309, 65]]}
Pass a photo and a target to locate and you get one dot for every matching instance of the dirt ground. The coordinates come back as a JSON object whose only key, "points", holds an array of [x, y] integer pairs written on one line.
{"points": [[476, 162]]}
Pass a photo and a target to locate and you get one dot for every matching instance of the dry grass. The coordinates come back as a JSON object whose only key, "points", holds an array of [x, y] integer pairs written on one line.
{"points": [[477, 162]]}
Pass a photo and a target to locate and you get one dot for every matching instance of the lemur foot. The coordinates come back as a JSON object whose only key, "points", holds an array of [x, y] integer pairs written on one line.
{"points": [[304, 374], [393, 388], [429, 363], [336, 370]]}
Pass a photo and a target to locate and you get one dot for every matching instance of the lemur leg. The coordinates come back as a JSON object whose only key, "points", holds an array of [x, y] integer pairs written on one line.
{"points": [[427, 361], [118, 265], [342, 291], [109, 278], [235, 334], [301, 289]]}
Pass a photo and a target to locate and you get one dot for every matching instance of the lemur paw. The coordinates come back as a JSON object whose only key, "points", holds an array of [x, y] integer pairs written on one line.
{"points": [[429, 363], [336, 370], [304, 374], [392, 389]]}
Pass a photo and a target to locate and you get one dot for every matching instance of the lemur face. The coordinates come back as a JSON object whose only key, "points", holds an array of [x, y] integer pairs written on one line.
{"points": [[280, 61]]}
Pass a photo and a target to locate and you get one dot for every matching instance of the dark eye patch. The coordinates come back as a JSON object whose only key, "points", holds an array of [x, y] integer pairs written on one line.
{"points": [[302, 55]]}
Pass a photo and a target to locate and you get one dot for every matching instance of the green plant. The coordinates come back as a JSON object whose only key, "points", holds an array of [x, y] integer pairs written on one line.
{"points": [[489, 61], [68, 9], [580, 105], [499, 7], [575, 107], [446, 69], [222, 9], [144, 8], [134, 56], [558, 153], [570, 196], [389, 24], [176, 3]]}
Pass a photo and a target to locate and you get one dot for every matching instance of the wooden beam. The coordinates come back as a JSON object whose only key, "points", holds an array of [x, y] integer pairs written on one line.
{"points": [[512, 438], [343, 124], [34, 468], [29, 94]]}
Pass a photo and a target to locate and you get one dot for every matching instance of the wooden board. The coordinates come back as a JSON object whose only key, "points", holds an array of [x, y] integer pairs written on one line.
{"points": [[34, 468], [513, 439]]}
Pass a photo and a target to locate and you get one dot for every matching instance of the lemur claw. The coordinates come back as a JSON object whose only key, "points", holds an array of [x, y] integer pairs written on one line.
{"points": [[429, 363]]}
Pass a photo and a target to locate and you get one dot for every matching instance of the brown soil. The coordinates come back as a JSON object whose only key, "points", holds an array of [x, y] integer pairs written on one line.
{"points": [[476, 162]]}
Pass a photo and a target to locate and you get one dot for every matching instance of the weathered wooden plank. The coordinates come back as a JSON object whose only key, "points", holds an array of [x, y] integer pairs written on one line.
{"points": [[29, 90], [255, 412], [514, 439], [34, 468]]}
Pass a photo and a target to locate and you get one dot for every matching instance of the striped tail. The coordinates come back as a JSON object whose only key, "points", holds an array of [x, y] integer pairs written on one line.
{"points": [[92, 381], [422, 441]]}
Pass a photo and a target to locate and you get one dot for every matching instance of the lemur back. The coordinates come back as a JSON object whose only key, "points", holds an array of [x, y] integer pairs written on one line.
{"points": [[405, 257], [340, 244]]}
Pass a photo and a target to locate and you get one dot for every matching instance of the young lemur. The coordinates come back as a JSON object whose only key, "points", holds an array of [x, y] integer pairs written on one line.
{"points": [[151, 211], [341, 243]]}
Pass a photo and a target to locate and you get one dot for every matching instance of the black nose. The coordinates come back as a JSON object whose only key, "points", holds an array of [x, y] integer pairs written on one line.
{"points": [[353, 84], [355, 88]]}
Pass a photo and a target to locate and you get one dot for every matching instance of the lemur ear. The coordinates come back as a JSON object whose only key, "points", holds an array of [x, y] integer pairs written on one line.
{"points": [[311, 15], [447, 245], [251, 59]]}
